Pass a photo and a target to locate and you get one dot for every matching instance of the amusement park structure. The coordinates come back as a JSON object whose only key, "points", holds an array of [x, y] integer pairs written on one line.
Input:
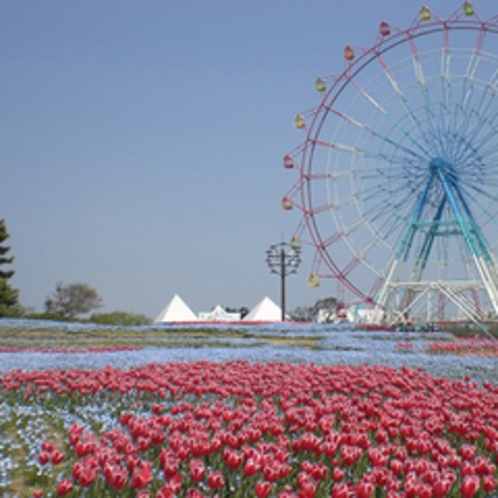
{"points": [[397, 176]]}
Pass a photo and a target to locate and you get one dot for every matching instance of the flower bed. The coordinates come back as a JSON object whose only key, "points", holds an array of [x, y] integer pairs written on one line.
{"points": [[68, 350], [466, 347], [241, 429], [483, 348]]}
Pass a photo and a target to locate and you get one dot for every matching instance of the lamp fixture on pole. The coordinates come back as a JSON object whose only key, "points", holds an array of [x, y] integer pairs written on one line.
{"points": [[284, 259]]}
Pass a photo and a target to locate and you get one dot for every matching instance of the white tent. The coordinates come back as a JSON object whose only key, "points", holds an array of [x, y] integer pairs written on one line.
{"points": [[265, 311], [176, 311]]}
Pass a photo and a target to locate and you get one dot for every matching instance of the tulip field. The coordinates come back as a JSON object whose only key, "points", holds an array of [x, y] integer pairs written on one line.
{"points": [[260, 412]]}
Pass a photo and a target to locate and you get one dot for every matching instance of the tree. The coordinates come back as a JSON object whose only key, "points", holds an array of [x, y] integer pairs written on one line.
{"points": [[327, 307], [9, 297], [243, 311], [120, 318], [69, 301]]}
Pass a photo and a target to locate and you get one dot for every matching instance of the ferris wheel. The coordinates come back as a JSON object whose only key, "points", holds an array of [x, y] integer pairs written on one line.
{"points": [[398, 172]]}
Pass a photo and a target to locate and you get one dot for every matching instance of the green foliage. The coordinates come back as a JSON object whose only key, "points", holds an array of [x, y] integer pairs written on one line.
{"points": [[243, 310], [45, 315], [120, 318], [4, 260], [9, 297], [9, 300], [328, 307], [70, 301]]}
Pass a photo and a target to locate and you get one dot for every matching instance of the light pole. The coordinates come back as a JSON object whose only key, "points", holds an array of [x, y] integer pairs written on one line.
{"points": [[283, 259]]}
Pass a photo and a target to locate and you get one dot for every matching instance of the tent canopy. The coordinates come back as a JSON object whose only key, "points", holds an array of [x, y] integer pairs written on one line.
{"points": [[265, 311], [176, 311]]}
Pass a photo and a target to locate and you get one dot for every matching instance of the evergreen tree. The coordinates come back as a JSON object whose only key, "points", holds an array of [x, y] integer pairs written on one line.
{"points": [[9, 297], [4, 260]]}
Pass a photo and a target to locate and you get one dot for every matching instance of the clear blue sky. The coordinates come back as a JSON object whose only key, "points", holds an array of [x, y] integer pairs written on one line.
{"points": [[142, 141]]}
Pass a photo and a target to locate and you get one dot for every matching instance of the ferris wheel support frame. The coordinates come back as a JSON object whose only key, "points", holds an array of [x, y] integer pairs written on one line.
{"points": [[476, 243]]}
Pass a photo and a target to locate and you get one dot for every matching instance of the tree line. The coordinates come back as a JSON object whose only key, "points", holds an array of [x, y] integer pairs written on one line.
{"points": [[72, 301], [68, 301]]}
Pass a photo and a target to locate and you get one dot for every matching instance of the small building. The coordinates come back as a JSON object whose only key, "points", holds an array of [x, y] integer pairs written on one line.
{"points": [[218, 314]]}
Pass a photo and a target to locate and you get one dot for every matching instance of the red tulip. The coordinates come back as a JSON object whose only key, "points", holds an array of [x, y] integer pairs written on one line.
{"points": [[350, 454], [175, 484], [469, 486], [489, 483], [338, 474], [340, 491], [64, 487], [75, 434], [251, 467], [141, 476], [165, 492], [171, 466], [467, 452], [271, 470], [412, 486], [86, 476], [57, 457], [232, 458], [116, 476], [47, 446], [191, 493], [364, 489], [215, 480], [197, 470], [262, 489]]}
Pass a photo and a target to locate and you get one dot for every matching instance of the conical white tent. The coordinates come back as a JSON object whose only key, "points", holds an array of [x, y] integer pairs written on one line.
{"points": [[176, 311], [265, 311]]}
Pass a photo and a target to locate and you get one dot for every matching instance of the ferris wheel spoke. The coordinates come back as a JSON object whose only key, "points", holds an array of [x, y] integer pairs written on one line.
{"points": [[462, 111], [352, 228], [379, 195], [387, 213], [404, 102], [383, 138], [353, 263], [470, 78], [387, 115], [483, 209], [395, 200], [473, 190], [322, 208], [480, 112], [445, 81], [488, 96], [366, 153], [362, 255], [359, 258], [391, 222], [419, 72], [391, 184], [484, 142], [362, 152]]}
